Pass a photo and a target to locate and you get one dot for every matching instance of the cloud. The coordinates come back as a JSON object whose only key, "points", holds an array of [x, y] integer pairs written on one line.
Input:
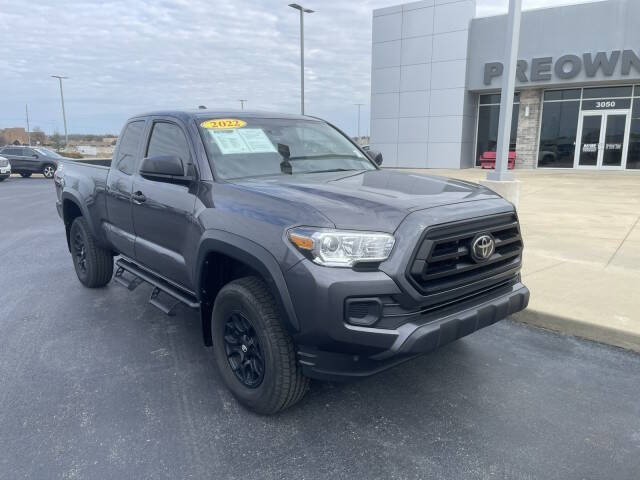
{"points": [[124, 57]]}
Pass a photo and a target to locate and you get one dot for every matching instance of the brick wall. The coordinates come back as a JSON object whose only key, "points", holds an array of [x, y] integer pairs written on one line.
{"points": [[13, 135], [528, 128]]}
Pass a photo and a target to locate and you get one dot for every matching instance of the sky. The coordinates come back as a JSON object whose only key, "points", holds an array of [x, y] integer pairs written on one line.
{"points": [[125, 57]]}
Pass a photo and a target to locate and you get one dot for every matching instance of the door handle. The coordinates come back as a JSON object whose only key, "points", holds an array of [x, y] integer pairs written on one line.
{"points": [[138, 197]]}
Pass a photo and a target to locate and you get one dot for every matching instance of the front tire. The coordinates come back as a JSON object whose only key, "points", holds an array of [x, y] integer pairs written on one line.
{"points": [[254, 353], [48, 170], [93, 264]]}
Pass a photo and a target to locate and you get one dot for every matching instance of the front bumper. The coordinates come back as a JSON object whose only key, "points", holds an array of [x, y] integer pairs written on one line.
{"points": [[413, 340], [5, 171], [329, 348]]}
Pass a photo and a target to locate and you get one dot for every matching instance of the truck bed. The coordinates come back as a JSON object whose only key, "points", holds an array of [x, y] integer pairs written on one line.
{"points": [[98, 162]]}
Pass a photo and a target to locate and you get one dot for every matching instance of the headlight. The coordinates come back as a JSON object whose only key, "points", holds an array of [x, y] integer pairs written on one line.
{"points": [[341, 248]]}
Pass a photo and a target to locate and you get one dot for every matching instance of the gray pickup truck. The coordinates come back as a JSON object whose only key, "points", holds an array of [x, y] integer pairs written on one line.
{"points": [[304, 258]]}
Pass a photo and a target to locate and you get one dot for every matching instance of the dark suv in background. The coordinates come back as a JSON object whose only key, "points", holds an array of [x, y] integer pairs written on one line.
{"points": [[29, 160]]}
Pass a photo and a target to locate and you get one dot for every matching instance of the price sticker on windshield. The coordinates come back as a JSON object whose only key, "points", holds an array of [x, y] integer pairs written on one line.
{"points": [[223, 124]]}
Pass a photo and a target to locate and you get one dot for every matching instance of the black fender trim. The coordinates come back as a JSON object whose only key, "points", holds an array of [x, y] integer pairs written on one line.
{"points": [[252, 254], [74, 197]]}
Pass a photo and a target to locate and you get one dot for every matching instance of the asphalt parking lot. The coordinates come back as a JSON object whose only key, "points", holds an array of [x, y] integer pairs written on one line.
{"points": [[99, 384]]}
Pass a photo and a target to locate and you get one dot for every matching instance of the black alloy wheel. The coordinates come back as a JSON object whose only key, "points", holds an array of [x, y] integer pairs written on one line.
{"points": [[243, 351], [80, 252], [93, 264], [254, 353]]}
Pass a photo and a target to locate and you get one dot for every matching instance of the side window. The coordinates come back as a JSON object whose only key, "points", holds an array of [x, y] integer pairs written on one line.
{"points": [[168, 139], [28, 152], [128, 149]]}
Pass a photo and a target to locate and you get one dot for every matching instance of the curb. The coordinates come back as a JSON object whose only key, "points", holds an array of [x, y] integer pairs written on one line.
{"points": [[578, 328]]}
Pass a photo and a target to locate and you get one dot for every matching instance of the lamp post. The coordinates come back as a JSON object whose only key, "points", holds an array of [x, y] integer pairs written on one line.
{"points": [[302, 12], [64, 115], [26, 109], [358, 105], [242, 104], [508, 87]]}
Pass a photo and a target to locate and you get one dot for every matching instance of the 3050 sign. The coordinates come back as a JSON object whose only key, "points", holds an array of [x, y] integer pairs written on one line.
{"points": [[621, 104]]}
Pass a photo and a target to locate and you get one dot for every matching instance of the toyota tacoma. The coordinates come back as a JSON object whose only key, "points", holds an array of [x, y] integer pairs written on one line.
{"points": [[304, 258]]}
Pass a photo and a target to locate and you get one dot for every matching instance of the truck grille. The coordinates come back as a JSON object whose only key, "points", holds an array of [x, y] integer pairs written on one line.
{"points": [[444, 260], [4, 162]]}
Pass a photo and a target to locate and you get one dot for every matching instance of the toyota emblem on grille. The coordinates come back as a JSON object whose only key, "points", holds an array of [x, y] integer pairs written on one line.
{"points": [[482, 247]]}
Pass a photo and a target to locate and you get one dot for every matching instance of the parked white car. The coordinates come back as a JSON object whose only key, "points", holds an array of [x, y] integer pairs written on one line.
{"points": [[5, 168]]}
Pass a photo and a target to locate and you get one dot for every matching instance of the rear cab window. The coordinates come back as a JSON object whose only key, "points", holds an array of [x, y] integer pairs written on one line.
{"points": [[129, 147]]}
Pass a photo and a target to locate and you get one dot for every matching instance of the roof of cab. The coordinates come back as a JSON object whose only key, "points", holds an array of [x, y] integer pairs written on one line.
{"points": [[210, 114]]}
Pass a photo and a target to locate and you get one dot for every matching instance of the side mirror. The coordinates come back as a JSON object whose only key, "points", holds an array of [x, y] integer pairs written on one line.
{"points": [[164, 168], [35, 155], [375, 156]]}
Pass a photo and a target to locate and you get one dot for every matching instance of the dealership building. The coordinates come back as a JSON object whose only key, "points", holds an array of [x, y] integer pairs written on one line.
{"points": [[437, 72]]}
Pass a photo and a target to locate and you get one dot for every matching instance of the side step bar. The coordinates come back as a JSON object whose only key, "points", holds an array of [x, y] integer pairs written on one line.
{"points": [[159, 284]]}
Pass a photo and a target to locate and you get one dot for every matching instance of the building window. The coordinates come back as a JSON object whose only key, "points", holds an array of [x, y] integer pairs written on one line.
{"points": [[572, 94], [560, 112], [633, 155], [488, 117], [607, 92]]}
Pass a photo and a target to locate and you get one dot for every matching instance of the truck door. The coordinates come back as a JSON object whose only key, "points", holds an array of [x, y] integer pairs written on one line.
{"points": [[163, 212], [119, 228]]}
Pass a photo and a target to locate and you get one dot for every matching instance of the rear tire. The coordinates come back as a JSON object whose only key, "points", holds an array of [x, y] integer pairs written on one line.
{"points": [[93, 264], [25, 174], [48, 170], [248, 334]]}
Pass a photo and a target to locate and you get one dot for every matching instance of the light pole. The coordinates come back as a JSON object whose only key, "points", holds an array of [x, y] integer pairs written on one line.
{"points": [[358, 105], [302, 12], [26, 109], [242, 104], [508, 87], [64, 115]]}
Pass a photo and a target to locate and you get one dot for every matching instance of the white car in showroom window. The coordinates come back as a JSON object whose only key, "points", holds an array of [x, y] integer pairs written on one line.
{"points": [[5, 168]]}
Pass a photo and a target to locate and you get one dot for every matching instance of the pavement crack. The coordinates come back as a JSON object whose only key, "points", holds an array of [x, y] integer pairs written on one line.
{"points": [[548, 267], [623, 240]]}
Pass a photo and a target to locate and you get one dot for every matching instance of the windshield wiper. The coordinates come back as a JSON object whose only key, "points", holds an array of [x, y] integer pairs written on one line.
{"points": [[335, 170], [325, 155]]}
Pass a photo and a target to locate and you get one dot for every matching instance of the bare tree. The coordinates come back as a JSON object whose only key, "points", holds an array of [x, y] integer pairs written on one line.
{"points": [[56, 139]]}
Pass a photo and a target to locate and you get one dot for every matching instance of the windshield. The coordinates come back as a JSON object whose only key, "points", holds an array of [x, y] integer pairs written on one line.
{"points": [[252, 147], [47, 153]]}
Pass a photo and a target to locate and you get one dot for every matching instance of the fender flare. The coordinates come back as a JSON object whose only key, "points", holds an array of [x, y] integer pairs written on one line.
{"points": [[74, 197], [254, 255]]}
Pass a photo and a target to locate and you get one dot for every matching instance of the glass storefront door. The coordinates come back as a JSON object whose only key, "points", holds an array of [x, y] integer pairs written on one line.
{"points": [[590, 146], [602, 139]]}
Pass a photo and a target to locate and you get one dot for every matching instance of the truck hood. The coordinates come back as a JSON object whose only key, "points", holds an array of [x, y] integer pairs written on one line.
{"points": [[374, 200]]}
